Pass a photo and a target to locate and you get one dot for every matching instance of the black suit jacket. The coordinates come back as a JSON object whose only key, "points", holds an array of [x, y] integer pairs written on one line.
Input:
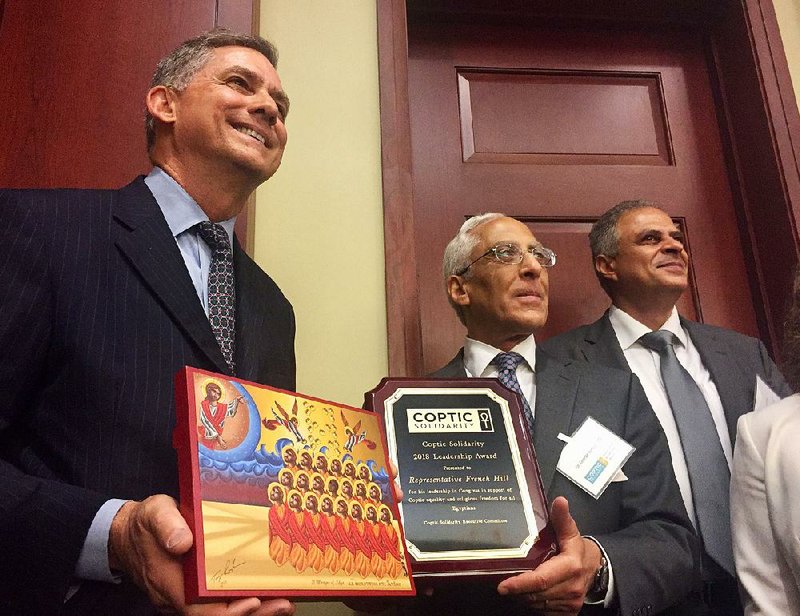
{"points": [[732, 359], [641, 522], [98, 313]]}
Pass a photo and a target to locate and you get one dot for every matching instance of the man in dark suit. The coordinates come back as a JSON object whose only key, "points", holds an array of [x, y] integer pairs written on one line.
{"points": [[631, 551], [642, 264], [106, 295]]}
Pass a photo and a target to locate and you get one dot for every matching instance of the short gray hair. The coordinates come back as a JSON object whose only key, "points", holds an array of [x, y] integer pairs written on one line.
{"points": [[458, 253], [176, 70], [604, 236]]}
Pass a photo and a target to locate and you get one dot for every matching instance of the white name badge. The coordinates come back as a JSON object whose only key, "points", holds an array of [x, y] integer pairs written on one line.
{"points": [[593, 457]]}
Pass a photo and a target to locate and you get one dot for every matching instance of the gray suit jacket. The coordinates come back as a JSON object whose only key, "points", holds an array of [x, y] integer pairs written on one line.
{"points": [[641, 522], [732, 359]]}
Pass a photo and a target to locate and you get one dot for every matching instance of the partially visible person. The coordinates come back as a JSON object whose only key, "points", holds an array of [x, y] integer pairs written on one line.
{"points": [[765, 492]]}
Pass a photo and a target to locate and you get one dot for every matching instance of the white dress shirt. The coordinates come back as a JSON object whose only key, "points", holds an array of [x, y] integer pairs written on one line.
{"points": [[478, 358], [646, 365]]}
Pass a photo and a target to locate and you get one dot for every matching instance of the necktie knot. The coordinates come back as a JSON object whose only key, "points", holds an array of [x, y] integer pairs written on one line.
{"points": [[508, 361], [658, 341], [214, 235]]}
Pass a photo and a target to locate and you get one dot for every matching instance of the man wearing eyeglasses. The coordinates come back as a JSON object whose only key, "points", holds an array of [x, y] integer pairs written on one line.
{"points": [[632, 549], [641, 262]]}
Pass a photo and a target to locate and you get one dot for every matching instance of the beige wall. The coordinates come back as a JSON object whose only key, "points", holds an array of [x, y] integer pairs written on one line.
{"points": [[788, 14], [319, 221]]}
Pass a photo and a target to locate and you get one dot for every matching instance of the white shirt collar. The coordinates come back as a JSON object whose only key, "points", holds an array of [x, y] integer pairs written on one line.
{"points": [[478, 355], [629, 330]]}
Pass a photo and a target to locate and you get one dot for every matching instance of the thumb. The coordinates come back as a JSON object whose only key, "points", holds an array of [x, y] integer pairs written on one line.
{"points": [[564, 525], [167, 525]]}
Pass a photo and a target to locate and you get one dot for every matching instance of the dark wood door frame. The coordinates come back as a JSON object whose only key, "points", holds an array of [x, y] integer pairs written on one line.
{"points": [[757, 112]]}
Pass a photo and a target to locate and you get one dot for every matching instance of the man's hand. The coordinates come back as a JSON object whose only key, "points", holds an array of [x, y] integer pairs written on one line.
{"points": [[147, 541], [559, 585]]}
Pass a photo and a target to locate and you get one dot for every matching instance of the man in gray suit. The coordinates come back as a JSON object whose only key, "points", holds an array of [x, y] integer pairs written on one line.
{"points": [[641, 262], [630, 551]]}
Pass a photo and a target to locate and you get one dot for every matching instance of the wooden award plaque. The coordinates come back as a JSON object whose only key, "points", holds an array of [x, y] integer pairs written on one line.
{"points": [[473, 501]]}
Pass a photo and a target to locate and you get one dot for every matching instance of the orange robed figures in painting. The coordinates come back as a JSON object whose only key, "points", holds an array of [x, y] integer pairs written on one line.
{"points": [[312, 526], [357, 528], [390, 538], [372, 534], [333, 544], [298, 553], [347, 551], [279, 537]]}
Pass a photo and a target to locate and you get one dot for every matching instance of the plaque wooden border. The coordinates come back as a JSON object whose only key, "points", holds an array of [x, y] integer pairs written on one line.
{"points": [[449, 570]]}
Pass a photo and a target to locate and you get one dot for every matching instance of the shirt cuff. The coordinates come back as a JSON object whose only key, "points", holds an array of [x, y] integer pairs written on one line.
{"points": [[93, 560], [595, 600]]}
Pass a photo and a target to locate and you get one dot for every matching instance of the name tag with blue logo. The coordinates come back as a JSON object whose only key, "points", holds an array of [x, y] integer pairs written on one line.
{"points": [[593, 457]]}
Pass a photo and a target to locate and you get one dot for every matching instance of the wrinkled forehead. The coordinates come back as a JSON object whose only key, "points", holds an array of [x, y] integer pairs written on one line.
{"points": [[644, 218], [223, 58], [504, 230]]}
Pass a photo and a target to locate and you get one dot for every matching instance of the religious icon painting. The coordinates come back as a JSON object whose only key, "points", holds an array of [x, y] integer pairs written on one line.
{"points": [[286, 495]]}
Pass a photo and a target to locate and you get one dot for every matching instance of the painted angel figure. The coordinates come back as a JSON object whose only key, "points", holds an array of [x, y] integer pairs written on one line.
{"points": [[282, 418], [355, 435]]}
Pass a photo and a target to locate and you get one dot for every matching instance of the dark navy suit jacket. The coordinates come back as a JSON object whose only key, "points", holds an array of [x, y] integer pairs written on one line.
{"points": [[97, 314]]}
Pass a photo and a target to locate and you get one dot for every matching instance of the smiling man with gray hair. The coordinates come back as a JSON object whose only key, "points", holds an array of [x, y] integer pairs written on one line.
{"points": [[111, 293]]}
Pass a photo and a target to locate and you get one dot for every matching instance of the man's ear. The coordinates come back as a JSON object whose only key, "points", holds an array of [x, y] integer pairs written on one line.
{"points": [[606, 267], [457, 291], [161, 104]]}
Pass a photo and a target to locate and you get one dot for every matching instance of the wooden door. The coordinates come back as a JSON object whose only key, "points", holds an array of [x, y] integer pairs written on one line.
{"points": [[553, 126]]}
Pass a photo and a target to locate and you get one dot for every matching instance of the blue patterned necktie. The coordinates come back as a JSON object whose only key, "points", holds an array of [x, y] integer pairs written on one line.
{"points": [[708, 469], [221, 290], [507, 374]]}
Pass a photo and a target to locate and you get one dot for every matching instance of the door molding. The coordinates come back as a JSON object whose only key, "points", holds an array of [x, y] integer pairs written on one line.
{"points": [[757, 112]]}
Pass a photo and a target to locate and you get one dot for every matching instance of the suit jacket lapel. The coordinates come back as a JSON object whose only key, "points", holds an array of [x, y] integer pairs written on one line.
{"points": [[601, 345], [143, 237], [250, 318], [453, 370], [736, 390], [556, 390]]}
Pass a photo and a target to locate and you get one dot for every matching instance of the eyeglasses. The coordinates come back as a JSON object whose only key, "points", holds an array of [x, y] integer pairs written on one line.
{"points": [[511, 254]]}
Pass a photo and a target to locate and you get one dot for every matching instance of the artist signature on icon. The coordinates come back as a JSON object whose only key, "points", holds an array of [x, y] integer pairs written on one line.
{"points": [[218, 578]]}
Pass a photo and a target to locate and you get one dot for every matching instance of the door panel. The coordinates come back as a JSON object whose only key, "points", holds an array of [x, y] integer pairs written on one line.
{"points": [[75, 76], [553, 126]]}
